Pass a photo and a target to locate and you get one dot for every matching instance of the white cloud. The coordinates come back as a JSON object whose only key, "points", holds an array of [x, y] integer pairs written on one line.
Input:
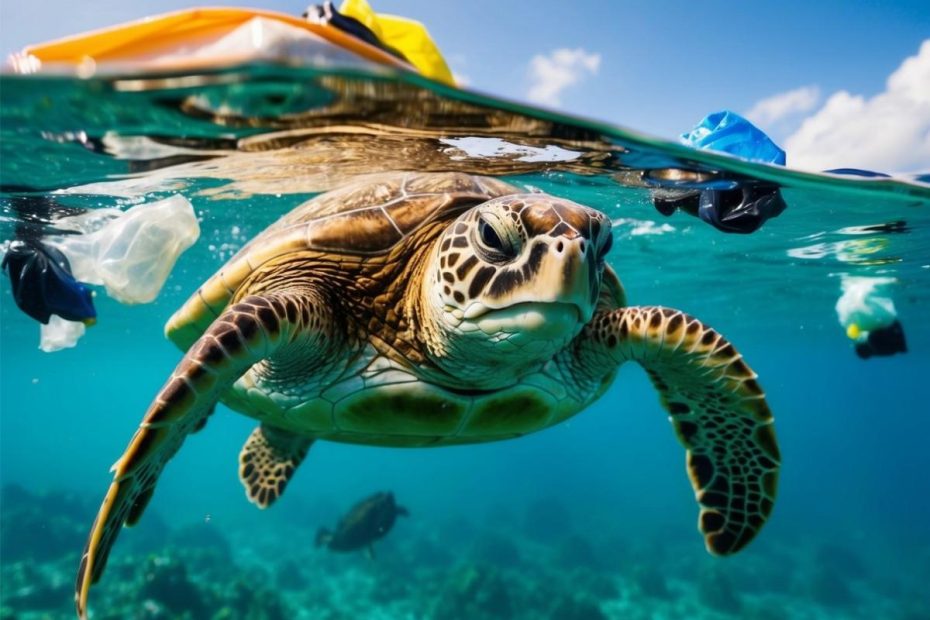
{"points": [[552, 74], [889, 132], [778, 107]]}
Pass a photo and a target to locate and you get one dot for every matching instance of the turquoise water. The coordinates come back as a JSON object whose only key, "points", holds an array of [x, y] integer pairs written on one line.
{"points": [[593, 518]]}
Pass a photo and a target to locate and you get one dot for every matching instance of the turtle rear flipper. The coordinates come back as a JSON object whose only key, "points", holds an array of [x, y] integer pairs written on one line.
{"points": [[716, 406], [244, 334], [268, 460]]}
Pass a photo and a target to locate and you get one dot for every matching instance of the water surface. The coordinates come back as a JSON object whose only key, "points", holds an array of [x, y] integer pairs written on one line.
{"points": [[594, 518]]}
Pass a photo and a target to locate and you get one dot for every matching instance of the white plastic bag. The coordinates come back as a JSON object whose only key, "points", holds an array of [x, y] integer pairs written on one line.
{"points": [[865, 305], [133, 253], [59, 334]]}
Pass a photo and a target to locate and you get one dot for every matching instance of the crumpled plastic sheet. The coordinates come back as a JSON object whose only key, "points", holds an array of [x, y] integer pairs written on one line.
{"points": [[59, 334], [130, 253]]}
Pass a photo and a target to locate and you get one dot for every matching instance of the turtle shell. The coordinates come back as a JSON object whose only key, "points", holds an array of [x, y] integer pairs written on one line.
{"points": [[365, 218]]}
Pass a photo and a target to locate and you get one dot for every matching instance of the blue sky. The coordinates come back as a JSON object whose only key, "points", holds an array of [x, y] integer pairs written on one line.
{"points": [[653, 66]]}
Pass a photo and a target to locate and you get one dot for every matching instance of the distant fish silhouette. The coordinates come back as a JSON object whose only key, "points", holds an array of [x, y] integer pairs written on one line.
{"points": [[370, 519]]}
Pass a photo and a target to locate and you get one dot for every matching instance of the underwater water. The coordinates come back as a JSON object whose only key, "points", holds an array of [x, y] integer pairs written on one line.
{"points": [[593, 518]]}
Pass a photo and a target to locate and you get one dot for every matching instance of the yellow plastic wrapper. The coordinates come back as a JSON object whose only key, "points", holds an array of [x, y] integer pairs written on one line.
{"points": [[407, 36]]}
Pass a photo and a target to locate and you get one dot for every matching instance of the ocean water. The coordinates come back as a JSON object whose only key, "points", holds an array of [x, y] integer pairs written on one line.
{"points": [[594, 518]]}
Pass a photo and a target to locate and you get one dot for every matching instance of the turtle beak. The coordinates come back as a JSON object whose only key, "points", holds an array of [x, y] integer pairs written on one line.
{"points": [[571, 268]]}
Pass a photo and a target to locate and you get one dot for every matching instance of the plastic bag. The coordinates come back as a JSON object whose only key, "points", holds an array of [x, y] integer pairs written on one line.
{"points": [[865, 305], [867, 311], [42, 283], [729, 132], [741, 210], [131, 254], [59, 334], [748, 203]]}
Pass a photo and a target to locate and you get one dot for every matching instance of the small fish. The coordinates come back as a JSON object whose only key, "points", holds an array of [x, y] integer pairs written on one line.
{"points": [[370, 519]]}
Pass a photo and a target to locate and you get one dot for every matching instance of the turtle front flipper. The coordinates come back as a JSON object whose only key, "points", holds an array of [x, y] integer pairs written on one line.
{"points": [[716, 406], [244, 334], [267, 462]]}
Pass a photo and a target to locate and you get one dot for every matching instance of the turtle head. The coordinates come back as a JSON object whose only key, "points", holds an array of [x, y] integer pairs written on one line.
{"points": [[516, 270]]}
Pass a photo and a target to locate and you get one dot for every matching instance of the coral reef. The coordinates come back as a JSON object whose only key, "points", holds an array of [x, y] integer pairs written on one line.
{"points": [[41, 526], [448, 570], [569, 608], [716, 591]]}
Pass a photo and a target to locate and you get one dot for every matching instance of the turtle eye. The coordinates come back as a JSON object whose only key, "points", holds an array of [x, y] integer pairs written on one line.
{"points": [[489, 237], [498, 247]]}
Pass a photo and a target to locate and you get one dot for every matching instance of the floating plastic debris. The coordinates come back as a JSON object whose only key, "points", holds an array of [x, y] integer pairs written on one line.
{"points": [[728, 132], [43, 285], [132, 254], [867, 312], [59, 334]]}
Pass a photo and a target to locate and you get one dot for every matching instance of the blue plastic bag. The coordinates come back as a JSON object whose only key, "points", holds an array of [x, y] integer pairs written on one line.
{"points": [[729, 132], [42, 284]]}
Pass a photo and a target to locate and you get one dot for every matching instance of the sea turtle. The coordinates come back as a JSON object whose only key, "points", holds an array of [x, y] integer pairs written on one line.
{"points": [[428, 309], [369, 520]]}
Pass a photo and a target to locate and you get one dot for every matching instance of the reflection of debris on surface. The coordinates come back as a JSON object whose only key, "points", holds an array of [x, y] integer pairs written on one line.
{"points": [[337, 128], [311, 160], [635, 228], [898, 226], [499, 148], [855, 251]]}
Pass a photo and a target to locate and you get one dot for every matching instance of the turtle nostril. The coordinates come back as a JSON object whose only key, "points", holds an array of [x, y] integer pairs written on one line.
{"points": [[559, 247], [581, 247]]}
